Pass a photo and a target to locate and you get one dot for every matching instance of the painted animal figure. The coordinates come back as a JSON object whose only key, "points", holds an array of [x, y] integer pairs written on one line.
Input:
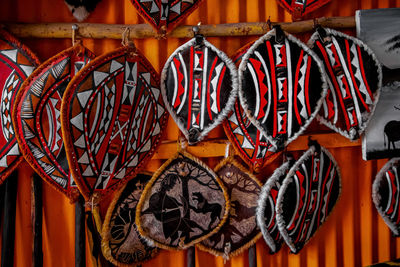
{"points": [[203, 207], [391, 133]]}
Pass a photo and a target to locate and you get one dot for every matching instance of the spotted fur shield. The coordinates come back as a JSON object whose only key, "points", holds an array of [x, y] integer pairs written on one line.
{"points": [[184, 203], [281, 86], [121, 243], [16, 63], [386, 194], [36, 117], [266, 216], [299, 8], [166, 14], [199, 87], [251, 145], [112, 118], [240, 231], [354, 78], [307, 196]]}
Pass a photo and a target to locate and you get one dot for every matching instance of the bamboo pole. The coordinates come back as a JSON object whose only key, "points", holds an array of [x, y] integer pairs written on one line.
{"points": [[140, 31]]}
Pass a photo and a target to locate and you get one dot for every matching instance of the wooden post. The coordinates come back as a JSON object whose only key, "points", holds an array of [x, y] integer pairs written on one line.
{"points": [[37, 220], [10, 197], [252, 256], [191, 257], [80, 240]]}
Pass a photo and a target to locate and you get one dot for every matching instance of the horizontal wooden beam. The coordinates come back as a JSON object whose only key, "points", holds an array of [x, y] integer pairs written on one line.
{"points": [[139, 31], [216, 148]]}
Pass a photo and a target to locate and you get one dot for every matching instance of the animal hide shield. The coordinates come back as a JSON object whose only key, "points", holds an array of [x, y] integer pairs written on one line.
{"points": [[251, 145], [199, 87], [281, 86], [121, 243], [184, 203], [166, 14], [299, 8], [240, 231], [36, 117], [354, 77], [307, 196], [16, 63], [81, 9], [266, 216], [386, 194], [112, 118]]}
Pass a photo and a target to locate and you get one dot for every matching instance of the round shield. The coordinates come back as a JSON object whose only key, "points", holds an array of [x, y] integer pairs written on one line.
{"points": [[165, 15], [112, 120], [184, 203], [282, 85], [251, 145], [199, 87], [354, 78], [386, 194], [307, 196], [266, 216], [36, 117], [240, 231], [121, 243], [16, 63]]}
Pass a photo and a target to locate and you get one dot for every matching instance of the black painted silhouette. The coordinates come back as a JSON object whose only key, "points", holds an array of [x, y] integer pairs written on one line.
{"points": [[204, 207], [392, 132], [239, 209]]}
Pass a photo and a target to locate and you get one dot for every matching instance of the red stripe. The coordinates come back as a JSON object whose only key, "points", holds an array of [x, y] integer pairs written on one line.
{"points": [[273, 81], [323, 190], [190, 88], [363, 73], [353, 78], [295, 87], [334, 81], [307, 87], [208, 87], [221, 77]]}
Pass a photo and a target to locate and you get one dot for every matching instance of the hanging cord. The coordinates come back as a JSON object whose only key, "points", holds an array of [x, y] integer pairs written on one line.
{"points": [[75, 40]]}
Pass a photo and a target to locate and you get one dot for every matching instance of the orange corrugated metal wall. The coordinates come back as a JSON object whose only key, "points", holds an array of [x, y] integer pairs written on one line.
{"points": [[354, 235]]}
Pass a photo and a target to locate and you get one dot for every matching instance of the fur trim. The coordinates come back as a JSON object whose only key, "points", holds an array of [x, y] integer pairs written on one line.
{"points": [[362, 127], [81, 9], [229, 104], [231, 254], [285, 184], [150, 184], [377, 199], [243, 66], [105, 233], [262, 200]]}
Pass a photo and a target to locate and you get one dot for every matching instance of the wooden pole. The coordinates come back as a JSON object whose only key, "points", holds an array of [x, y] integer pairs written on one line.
{"points": [[8, 236], [191, 257], [139, 31], [252, 256], [80, 257], [37, 219]]}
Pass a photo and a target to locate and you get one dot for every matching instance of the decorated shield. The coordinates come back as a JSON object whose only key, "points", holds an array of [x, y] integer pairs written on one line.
{"points": [[16, 63], [164, 15], [386, 194], [112, 118], [354, 78], [184, 203], [299, 8], [282, 85], [121, 243], [266, 216], [36, 117], [199, 87], [240, 231], [307, 196], [251, 145]]}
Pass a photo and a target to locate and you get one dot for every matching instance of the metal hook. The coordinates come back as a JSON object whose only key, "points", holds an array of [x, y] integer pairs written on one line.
{"points": [[199, 37], [269, 23], [74, 30], [315, 144]]}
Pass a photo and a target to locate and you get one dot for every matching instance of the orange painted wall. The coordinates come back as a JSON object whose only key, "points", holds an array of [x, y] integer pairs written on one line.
{"points": [[354, 235]]}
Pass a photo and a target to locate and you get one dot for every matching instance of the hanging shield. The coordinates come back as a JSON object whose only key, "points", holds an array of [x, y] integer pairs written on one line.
{"points": [[240, 231], [199, 87], [36, 117], [112, 120], [282, 86], [307, 196], [166, 14], [184, 203], [299, 8], [121, 243], [354, 77], [16, 63], [386, 194]]}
